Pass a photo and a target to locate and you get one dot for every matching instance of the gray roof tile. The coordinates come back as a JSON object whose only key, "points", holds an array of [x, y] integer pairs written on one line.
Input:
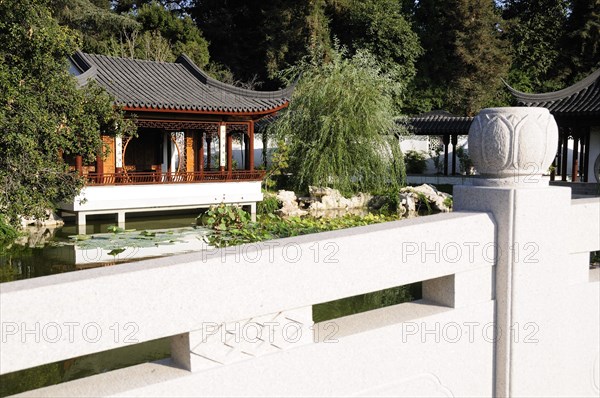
{"points": [[438, 123], [580, 99], [178, 85]]}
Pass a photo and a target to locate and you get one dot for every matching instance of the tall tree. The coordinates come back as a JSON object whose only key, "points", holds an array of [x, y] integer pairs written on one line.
{"points": [[177, 32], [535, 29], [94, 23], [380, 27], [582, 42], [254, 37], [43, 112], [465, 55]]}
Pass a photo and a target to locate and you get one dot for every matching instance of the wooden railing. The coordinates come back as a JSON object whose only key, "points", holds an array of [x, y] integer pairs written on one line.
{"points": [[139, 178]]}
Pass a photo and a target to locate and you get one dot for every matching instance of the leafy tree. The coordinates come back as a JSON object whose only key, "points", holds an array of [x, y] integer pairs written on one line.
{"points": [[92, 21], [535, 29], [339, 126], [380, 27], [43, 113], [581, 43], [254, 37], [180, 31], [465, 56]]}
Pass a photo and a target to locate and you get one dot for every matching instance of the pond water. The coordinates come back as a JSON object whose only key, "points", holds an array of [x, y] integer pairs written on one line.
{"points": [[46, 251]]}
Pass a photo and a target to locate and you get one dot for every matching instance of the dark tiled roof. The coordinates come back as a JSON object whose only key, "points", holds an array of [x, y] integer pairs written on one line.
{"points": [[580, 99], [178, 85], [438, 123]]}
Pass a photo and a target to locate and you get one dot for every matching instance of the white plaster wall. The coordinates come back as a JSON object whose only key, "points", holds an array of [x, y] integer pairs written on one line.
{"points": [[424, 145], [117, 197], [238, 152]]}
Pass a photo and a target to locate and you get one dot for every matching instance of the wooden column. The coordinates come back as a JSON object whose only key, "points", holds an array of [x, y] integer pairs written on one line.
{"points": [[446, 140], [246, 152], [251, 146], [99, 168], [190, 153], [79, 165], [454, 142], [229, 151], [200, 149]]}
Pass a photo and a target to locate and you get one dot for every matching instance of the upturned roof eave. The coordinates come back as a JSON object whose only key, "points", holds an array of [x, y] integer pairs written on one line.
{"points": [[554, 95]]}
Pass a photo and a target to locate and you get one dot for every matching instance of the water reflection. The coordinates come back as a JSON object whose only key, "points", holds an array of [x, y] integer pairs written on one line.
{"points": [[45, 251]]}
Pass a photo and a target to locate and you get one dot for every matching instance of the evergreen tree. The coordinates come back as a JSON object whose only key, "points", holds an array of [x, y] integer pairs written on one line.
{"points": [[94, 23], [380, 27], [465, 56], [253, 37], [535, 29], [582, 41], [159, 25]]}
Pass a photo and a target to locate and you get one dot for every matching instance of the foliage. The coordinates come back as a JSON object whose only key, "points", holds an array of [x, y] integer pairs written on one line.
{"points": [[256, 37], [581, 40], [179, 31], [380, 27], [269, 205], [534, 28], [449, 202], [7, 232], [44, 113], [415, 161], [224, 217], [232, 226], [339, 126], [279, 162], [465, 56], [94, 24], [464, 160], [390, 200]]}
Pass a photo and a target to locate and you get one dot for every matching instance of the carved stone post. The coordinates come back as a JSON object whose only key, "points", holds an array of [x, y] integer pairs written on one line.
{"points": [[511, 148]]}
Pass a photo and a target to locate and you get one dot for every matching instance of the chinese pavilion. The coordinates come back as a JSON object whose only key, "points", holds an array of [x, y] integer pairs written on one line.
{"points": [[182, 155]]}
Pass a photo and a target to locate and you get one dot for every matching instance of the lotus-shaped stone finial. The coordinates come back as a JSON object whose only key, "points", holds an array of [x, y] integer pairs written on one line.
{"points": [[513, 145]]}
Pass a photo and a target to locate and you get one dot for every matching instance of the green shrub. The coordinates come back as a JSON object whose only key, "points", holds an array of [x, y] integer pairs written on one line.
{"points": [[7, 232], [464, 160], [224, 217], [269, 205], [416, 162]]}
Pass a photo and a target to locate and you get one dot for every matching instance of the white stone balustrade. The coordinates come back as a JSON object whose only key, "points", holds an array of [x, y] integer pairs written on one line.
{"points": [[510, 306]]}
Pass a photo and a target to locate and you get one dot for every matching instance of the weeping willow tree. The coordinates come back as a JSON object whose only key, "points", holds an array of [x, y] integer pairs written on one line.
{"points": [[340, 125]]}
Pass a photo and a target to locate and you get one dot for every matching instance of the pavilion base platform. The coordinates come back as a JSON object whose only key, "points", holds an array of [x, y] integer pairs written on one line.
{"points": [[122, 200]]}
